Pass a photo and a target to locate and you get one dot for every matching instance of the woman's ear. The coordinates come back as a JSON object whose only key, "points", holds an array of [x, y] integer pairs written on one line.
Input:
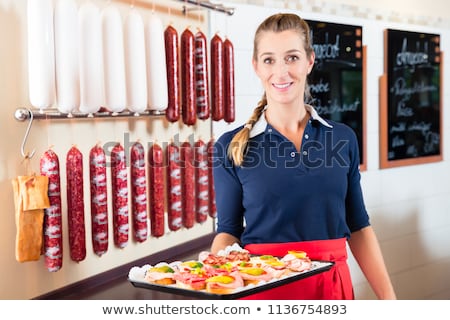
{"points": [[312, 59], [254, 64]]}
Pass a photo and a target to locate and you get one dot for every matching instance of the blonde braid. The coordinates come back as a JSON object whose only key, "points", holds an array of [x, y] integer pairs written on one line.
{"points": [[238, 145]]}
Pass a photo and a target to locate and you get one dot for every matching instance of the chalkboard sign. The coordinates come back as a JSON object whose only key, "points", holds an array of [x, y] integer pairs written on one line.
{"points": [[411, 106], [337, 80]]}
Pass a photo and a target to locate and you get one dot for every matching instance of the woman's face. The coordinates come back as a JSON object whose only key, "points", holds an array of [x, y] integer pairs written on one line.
{"points": [[282, 65]]}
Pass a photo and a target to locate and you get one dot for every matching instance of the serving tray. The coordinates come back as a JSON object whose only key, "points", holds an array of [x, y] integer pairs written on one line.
{"points": [[316, 268]]}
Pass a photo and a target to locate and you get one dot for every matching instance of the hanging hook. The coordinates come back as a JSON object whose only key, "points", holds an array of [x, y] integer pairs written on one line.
{"points": [[27, 155]]}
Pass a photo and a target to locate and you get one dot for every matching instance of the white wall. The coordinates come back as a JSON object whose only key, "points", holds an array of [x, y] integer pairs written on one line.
{"points": [[409, 206]]}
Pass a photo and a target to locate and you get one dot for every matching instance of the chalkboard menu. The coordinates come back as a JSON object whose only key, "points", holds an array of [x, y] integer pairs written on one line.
{"points": [[337, 80], [411, 110]]}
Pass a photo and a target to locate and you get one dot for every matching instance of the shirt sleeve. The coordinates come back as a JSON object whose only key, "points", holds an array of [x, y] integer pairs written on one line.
{"points": [[357, 217], [228, 191]]}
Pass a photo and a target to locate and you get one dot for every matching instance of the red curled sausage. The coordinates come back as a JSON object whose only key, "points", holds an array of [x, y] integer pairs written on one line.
{"points": [[99, 200], [53, 241], [173, 187], [173, 80], [138, 192], [119, 191], [201, 181], [156, 164], [187, 185], [188, 94], [217, 78], [212, 194], [201, 76], [75, 204], [229, 96]]}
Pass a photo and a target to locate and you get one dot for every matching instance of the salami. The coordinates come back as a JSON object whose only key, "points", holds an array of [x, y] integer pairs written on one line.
{"points": [[211, 193], [156, 164], [201, 181], [99, 200], [138, 192], [173, 187], [229, 95], [53, 243], [187, 185], [188, 93], [75, 204], [119, 191], [201, 76], [217, 78], [173, 73]]}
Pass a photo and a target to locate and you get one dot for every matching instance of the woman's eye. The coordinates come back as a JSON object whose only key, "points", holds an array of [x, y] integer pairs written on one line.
{"points": [[268, 60], [290, 59]]}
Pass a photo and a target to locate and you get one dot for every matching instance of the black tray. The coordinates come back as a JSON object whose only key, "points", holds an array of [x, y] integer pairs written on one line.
{"points": [[317, 267]]}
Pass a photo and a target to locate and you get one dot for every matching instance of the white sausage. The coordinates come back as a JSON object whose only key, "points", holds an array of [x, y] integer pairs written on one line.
{"points": [[114, 60], [66, 56], [41, 56], [156, 64], [91, 59], [135, 66]]}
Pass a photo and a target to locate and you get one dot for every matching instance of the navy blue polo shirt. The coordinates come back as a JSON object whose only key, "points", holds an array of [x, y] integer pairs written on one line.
{"points": [[282, 195]]}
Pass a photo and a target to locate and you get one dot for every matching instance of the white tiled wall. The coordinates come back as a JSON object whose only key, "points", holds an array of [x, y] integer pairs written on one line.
{"points": [[409, 206]]}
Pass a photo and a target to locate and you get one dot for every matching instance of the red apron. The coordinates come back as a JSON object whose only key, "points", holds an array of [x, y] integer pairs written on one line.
{"points": [[335, 284]]}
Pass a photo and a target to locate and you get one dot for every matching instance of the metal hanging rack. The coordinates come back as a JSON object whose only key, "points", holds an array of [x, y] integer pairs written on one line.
{"points": [[209, 5]]}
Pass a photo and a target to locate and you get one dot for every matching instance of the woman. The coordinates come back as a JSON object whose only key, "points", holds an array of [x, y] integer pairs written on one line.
{"points": [[290, 180]]}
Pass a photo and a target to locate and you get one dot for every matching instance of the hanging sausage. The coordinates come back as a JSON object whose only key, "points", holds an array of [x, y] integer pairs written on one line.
{"points": [[138, 192], [53, 240], [201, 181], [91, 58], [188, 94], [201, 76], [211, 193], [119, 191], [217, 78], [173, 187], [187, 184], [66, 56], [99, 200], [173, 74], [156, 167], [75, 204], [41, 56], [156, 64], [229, 95], [135, 62], [114, 60]]}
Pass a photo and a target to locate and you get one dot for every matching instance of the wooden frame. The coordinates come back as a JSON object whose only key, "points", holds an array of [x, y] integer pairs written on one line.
{"points": [[339, 50], [399, 140]]}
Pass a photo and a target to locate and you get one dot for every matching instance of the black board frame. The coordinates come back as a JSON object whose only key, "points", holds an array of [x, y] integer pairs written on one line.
{"points": [[410, 130], [340, 52]]}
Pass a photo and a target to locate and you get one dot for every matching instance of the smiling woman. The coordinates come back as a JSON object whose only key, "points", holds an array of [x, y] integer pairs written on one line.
{"points": [[303, 191]]}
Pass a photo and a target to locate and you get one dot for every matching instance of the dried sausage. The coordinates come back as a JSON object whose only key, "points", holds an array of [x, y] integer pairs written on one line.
{"points": [[229, 96], [201, 181], [188, 93], [173, 187], [99, 200], [138, 192], [119, 191], [75, 204], [156, 164], [187, 185], [173, 73], [201, 76], [217, 78], [53, 243], [211, 193]]}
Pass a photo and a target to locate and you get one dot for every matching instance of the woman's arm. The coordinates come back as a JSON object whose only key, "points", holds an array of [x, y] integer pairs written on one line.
{"points": [[366, 250], [221, 241]]}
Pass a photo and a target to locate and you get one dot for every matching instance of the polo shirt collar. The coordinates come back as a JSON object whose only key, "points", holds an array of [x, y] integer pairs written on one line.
{"points": [[260, 125]]}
